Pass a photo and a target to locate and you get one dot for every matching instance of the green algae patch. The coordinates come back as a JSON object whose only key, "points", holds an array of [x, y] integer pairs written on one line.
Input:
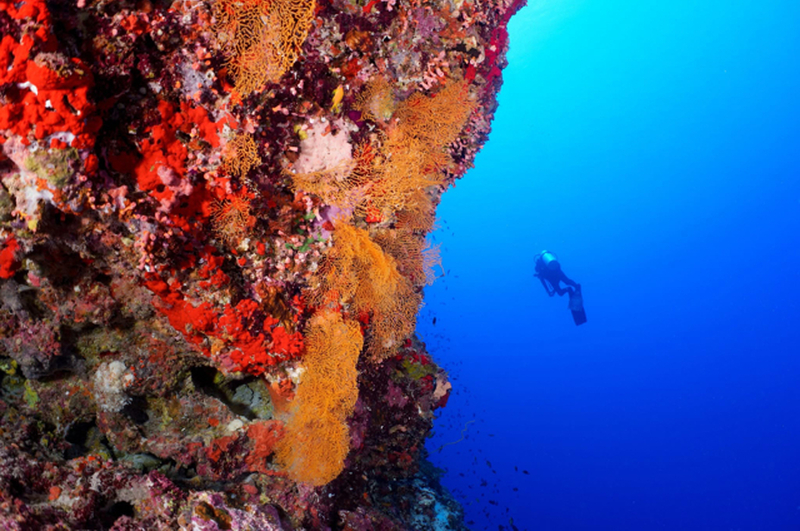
{"points": [[416, 371], [6, 205], [30, 395], [56, 166], [9, 366]]}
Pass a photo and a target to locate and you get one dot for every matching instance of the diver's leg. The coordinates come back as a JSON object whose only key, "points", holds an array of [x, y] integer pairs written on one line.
{"points": [[561, 291], [568, 281]]}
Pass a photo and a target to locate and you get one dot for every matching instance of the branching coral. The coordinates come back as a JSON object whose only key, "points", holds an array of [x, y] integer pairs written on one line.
{"points": [[436, 120], [389, 175], [415, 260], [414, 154], [376, 102], [343, 184]]}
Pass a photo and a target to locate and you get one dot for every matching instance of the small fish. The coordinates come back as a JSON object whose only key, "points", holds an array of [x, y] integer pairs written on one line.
{"points": [[336, 103]]}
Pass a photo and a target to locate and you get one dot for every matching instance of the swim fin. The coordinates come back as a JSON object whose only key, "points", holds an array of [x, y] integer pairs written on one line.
{"points": [[576, 306]]}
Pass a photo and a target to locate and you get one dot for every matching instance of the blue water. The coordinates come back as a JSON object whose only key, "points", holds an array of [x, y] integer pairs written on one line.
{"points": [[655, 147]]}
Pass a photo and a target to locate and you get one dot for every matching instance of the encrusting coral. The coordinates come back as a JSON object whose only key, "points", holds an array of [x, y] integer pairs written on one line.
{"points": [[213, 246]]}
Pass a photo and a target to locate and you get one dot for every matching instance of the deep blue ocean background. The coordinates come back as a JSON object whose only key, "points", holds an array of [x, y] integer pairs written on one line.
{"points": [[655, 148]]}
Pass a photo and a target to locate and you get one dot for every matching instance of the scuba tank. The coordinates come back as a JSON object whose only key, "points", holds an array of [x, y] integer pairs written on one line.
{"points": [[549, 260]]}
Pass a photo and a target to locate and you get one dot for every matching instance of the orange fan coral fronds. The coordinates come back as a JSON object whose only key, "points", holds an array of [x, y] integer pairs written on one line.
{"points": [[317, 439], [431, 258], [376, 102], [389, 175], [436, 120], [393, 321], [343, 185], [356, 272], [261, 38], [419, 213], [405, 167], [413, 154], [240, 156], [333, 185], [232, 218], [414, 260], [406, 249]]}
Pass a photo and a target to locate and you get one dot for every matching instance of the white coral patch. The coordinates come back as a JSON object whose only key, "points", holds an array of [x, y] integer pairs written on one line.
{"points": [[23, 184], [110, 381], [321, 149]]}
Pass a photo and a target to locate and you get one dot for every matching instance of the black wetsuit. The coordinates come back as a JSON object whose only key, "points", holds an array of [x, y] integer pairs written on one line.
{"points": [[554, 278]]}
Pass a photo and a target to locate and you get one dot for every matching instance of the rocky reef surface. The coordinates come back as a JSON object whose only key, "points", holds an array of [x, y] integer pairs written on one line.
{"points": [[213, 220]]}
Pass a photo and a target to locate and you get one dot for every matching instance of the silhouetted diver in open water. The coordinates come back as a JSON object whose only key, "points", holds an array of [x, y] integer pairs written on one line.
{"points": [[548, 271]]}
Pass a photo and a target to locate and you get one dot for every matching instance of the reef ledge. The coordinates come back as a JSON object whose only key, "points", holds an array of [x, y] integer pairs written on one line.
{"points": [[213, 221]]}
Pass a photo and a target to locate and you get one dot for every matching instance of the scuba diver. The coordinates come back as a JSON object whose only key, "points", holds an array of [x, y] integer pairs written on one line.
{"points": [[548, 271]]}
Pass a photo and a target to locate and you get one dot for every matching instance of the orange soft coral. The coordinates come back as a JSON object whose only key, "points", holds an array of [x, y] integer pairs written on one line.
{"points": [[317, 438]]}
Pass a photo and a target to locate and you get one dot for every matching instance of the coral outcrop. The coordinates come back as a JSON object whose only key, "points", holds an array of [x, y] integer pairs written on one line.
{"points": [[213, 220]]}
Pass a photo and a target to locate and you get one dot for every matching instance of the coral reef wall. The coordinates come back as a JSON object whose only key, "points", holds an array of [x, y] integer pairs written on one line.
{"points": [[212, 253]]}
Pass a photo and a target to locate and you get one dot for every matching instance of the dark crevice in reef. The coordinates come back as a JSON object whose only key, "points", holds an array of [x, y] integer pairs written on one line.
{"points": [[114, 511], [136, 410], [210, 382]]}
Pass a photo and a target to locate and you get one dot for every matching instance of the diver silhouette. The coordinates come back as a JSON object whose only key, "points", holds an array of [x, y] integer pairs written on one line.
{"points": [[548, 271]]}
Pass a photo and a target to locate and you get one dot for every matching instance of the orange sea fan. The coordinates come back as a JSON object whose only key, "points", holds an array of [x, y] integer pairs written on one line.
{"points": [[413, 152], [261, 38], [232, 218], [317, 439], [436, 120], [376, 101], [240, 156], [357, 273]]}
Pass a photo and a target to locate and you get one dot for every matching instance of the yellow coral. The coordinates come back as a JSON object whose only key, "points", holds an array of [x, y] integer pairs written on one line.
{"points": [[317, 439], [436, 120], [388, 175], [415, 152], [333, 185], [419, 213], [406, 166]]}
